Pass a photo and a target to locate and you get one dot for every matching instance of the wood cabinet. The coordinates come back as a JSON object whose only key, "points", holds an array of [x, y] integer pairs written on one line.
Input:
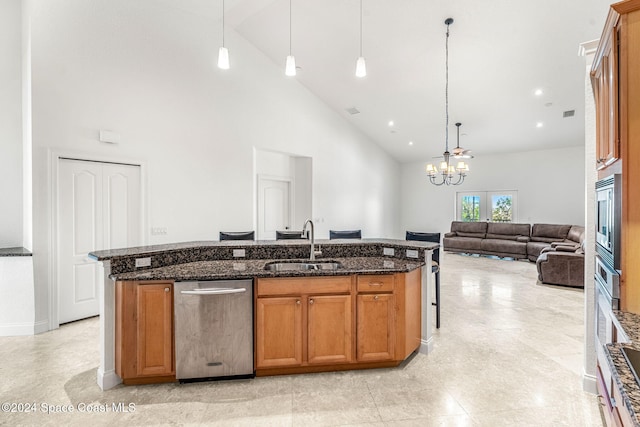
{"points": [[375, 318], [604, 79], [329, 329], [303, 321], [312, 324], [617, 93], [144, 332], [279, 321]]}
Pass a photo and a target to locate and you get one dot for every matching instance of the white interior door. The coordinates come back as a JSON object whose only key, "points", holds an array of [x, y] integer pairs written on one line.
{"points": [[274, 207], [98, 208]]}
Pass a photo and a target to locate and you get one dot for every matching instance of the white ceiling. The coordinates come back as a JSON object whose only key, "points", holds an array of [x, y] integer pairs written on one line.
{"points": [[501, 51]]}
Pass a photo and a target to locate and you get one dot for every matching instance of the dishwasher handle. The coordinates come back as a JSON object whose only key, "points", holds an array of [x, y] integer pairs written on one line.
{"points": [[214, 291]]}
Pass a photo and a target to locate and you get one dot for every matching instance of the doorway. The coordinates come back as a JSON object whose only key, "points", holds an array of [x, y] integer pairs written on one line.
{"points": [[283, 192], [98, 206], [274, 206]]}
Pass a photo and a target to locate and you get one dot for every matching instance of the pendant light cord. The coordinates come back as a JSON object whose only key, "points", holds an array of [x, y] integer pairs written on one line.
{"points": [[446, 91], [360, 27], [222, 23], [290, 27]]}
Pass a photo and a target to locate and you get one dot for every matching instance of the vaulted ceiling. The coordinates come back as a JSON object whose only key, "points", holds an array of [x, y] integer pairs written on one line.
{"points": [[500, 53]]}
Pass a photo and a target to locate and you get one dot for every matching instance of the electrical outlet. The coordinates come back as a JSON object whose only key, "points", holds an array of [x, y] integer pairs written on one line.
{"points": [[239, 253], [143, 262], [388, 251], [412, 253]]}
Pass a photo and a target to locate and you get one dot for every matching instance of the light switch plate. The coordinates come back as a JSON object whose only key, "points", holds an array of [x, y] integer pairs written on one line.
{"points": [[143, 262], [388, 251]]}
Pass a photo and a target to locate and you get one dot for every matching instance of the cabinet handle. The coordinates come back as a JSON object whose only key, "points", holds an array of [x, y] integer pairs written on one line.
{"points": [[375, 297], [298, 302], [375, 283], [167, 289], [310, 301]]}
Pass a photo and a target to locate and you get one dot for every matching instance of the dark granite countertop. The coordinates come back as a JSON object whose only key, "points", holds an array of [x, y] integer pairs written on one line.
{"points": [[622, 374], [240, 259], [14, 252], [159, 249], [242, 269]]}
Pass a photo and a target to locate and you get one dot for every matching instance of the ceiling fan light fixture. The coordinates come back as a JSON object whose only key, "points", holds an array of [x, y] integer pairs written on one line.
{"points": [[447, 170]]}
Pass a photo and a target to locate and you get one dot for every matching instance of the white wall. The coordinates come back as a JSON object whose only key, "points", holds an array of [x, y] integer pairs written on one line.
{"points": [[147, 72], [550, 185], [10, 123]]}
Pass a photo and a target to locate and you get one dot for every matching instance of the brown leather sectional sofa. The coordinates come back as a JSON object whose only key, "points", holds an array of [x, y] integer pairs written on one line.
{"points": [[555, 248]]}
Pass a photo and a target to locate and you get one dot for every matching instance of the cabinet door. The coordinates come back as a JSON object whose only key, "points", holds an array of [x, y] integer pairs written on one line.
{"points": [[329, 329], [154, 305], [605, 86], [278, 332], [375, 332]]}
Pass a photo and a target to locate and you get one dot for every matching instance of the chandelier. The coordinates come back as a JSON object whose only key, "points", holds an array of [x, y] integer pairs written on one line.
{"points": [[447, 173]]}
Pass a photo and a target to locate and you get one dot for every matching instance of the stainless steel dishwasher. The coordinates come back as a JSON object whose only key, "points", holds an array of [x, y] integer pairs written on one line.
{"points": [[214, 329]]}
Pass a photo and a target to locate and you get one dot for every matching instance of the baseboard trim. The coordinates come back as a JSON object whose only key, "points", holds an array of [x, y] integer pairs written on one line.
{"points": [[589, 383], [108, 380], [16, 329], [426, 347], [41, 326]]}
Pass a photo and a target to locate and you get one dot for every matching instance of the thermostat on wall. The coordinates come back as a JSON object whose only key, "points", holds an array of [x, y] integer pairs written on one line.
{"points": [[109, 137]]}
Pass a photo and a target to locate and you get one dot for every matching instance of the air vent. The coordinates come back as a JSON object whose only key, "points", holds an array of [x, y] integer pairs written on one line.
{"points": [[352, 110], [568, 113]]}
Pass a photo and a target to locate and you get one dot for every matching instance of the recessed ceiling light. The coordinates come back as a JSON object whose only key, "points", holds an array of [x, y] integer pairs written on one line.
{"points": [[410, 142], [391, 123], [538, 92], [539, 124]]}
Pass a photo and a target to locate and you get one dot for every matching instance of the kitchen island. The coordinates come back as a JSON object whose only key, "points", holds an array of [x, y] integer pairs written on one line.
{"points": [[202, 261]]}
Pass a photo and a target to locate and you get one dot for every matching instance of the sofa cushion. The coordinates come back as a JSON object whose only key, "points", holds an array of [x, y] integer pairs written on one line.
{"points": [[467, 244], [576, 234], [508, 228], [554, 232], [475, 235], [501, 236], [545, 239], [502, 246], [469, 227], [534, 249]]}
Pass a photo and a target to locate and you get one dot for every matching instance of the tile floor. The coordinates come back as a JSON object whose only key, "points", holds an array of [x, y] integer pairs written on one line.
{"points": [[509, 353]]}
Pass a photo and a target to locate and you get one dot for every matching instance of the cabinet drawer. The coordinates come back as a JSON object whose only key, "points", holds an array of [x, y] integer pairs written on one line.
{"points": [[376, 283], [303, 285]]}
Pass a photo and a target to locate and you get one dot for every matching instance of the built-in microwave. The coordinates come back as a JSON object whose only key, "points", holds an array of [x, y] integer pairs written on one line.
{"points": [[608, 211]]}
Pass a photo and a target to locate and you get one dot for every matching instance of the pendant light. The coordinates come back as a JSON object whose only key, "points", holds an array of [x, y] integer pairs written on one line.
{"points": [[223, 52], [361, 66], [290, 66], [447, 170]]}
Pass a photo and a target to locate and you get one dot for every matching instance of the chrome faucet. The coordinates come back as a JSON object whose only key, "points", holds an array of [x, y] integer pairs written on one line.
{"points": [[313, 252]]}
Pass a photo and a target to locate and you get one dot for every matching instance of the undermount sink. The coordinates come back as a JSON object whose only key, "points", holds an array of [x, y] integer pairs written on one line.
{"points": [[302, 265]]}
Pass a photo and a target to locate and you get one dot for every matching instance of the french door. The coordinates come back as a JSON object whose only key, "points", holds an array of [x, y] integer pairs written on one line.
{"points": [[492, 206]]}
